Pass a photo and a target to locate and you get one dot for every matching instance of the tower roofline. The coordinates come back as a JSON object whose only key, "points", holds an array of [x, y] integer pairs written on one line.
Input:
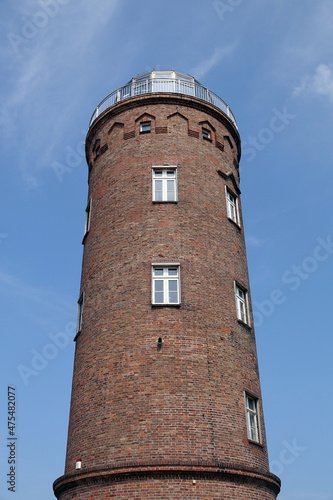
{"points": [[163, 81], [160, 98]]}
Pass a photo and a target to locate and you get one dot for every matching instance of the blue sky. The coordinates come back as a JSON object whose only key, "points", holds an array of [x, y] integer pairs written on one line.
{"points": [[271, 61]]}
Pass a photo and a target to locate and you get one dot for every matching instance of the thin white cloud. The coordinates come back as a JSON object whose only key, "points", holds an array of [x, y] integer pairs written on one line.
{"points": [[205, 66], [253, 241], [45, 52], [31, 182], [41, 73], [26, 80], [320, 83], [11, 285]]}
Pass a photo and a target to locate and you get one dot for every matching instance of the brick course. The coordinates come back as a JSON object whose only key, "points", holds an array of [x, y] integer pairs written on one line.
{"points": [[181, 403]]}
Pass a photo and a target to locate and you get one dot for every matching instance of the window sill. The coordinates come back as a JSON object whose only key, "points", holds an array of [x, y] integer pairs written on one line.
{"points": [[166, 305], [145, 131], [256, 443], [234, 223], [248, 327], [78, 333], [165, 202], [84, 237], [207, 139]]}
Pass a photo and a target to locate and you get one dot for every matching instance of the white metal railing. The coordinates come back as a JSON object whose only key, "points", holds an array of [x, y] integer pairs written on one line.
{"points": [[174, 85]]}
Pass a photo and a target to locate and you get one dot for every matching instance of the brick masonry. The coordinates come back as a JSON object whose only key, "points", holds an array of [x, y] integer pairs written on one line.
{"points": [[146, 420]]}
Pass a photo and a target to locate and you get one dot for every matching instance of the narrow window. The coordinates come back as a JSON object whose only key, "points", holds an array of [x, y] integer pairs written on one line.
{"points": [[145, 127], [205, 133], [80, 313], [166, 284], [251, 407], [232, 208], [88, 215], [241, 303], [164, 184], [97, 149]]}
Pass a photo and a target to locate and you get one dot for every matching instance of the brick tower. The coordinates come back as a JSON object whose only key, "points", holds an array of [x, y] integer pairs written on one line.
{"points": [[166, 400]]}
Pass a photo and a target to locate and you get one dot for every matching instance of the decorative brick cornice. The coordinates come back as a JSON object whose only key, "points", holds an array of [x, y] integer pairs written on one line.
{"points": [[218, 471], [219, 145], [129, 135], [161, 130], [230, 176], [165, 98]]}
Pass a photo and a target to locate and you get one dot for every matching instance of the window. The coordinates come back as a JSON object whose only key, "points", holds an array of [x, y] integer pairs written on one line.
{"points": [[80, 313], [145, 127], [88, 213], [165, 184], [241, 303], [251, 406], [232, 208], [205, 133], [166, 284], [97, 149]]}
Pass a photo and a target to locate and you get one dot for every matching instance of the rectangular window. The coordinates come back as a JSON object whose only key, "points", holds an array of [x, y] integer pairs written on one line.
{"points": [[80, 312], [164, 184], [205, 133], [232, 208], [241, 303], [145, 127], [88, 214], [166, 284], [251, 407]]}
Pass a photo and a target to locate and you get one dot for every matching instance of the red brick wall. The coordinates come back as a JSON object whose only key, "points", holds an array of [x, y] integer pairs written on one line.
{"points": [[169, 488], [133, 402]]}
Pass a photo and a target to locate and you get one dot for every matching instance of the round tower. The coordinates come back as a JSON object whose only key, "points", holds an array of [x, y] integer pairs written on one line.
{"points": [[166, 400]]}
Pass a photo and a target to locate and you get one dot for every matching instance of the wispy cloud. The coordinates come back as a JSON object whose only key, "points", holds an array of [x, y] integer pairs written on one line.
{"points": [[11, 285], [41, 73], [253, 241], [320, 83], [205, 66], [24, 81]]}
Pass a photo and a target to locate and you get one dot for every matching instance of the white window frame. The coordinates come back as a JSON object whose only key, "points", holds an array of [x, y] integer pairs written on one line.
{"points": [[232, 206], [163, 170], [80, 303], [145, 127], [88, 217], [252, 417], [165, 278], [241, 298], [206, 133]]}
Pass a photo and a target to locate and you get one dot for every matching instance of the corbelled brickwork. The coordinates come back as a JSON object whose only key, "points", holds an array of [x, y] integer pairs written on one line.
{"points": [[158, 405]]}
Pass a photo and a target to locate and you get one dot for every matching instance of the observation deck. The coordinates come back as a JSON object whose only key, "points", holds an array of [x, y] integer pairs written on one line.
{"points": [[163, 81]]}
